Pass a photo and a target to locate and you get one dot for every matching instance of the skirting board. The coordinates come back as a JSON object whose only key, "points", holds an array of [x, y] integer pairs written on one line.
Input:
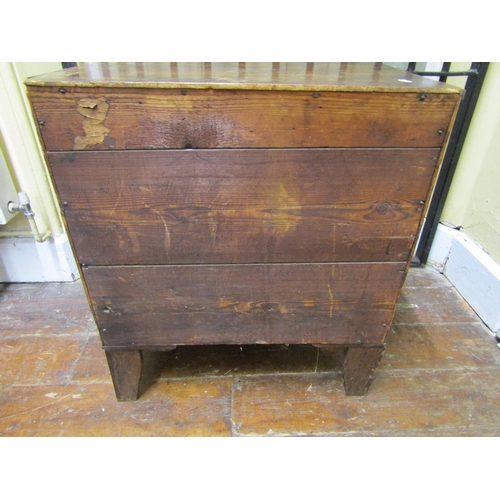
{"points": [[23, 260], [474, 274]]}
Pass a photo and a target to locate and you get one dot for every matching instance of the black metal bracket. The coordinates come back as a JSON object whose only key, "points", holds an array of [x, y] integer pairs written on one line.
{"points": [[446, 73]]}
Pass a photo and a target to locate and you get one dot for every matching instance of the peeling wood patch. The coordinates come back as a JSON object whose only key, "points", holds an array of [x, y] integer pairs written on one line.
{"points": [[94, 111]]}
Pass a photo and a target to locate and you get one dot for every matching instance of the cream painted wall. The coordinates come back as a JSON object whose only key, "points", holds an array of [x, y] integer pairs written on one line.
{"points": [[39, 251], [474, 198], [22, 149]]}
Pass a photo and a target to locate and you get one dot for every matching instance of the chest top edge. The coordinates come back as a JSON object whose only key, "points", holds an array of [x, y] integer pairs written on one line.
{"points": [[290, 76]]}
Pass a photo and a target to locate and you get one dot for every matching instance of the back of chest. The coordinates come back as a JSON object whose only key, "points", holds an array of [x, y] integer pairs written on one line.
{"points": [[208, 212]]}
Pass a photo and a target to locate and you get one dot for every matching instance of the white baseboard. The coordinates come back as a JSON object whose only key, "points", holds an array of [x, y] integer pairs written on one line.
{"points": [[23, 260], [471, 270], [441, 247]]}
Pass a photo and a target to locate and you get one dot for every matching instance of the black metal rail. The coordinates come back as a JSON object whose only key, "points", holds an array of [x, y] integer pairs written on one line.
{"points": [[446, 74], [475, 78]]}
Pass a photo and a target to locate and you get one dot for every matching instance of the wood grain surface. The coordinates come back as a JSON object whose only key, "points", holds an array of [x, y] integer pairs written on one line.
{"points": [[128, 118], [243, 206], [301, 303], [310, 76]]}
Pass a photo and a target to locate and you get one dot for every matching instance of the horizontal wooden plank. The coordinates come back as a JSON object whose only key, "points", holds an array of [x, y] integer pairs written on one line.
{"points": [[243, 206], [129, 118], [400, 403], [137, 306], [195, 407]]}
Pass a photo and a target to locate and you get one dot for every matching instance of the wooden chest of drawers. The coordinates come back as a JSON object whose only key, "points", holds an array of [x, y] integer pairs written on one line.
{"points": [[242, 203]]}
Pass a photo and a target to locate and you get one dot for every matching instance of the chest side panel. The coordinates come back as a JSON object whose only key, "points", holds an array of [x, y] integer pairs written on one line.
{"points": [[243, 206]]}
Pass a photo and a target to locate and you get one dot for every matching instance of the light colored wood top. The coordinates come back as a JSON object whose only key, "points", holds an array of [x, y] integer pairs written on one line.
{"points": [[294, 76]]}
